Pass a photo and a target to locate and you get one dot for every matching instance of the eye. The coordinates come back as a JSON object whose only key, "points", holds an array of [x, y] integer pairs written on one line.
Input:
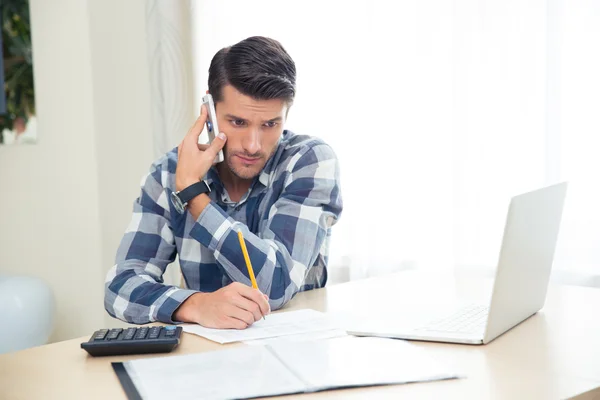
{"points": [[237, 122], [271, 124]]}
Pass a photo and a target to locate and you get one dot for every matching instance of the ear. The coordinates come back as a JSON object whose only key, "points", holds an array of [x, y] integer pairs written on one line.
{"points": [[207, 92]]}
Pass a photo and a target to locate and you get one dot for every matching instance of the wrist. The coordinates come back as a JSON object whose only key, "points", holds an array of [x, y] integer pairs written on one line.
{"points": [[181, 184], [188, 310], [183, 199]]}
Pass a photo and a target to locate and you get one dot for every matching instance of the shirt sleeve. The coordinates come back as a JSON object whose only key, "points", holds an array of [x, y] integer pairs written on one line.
{"points": [[134, 288], [283, 253]]}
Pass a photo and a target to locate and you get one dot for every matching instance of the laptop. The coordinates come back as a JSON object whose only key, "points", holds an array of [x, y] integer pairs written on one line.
{"points": [[520, 284]]}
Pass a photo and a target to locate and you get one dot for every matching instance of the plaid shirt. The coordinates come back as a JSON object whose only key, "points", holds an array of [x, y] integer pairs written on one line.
{"points": [[286, 218]]}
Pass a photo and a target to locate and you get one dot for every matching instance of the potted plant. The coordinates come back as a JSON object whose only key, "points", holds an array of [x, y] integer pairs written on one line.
{"points": [[19, 92]]}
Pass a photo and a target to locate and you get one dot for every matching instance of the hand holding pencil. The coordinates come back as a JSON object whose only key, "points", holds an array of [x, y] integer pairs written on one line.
{"points": [[235, 306]]}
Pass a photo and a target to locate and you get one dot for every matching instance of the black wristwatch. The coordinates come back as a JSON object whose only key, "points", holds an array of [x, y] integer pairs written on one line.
{"points": [[182, 198]]}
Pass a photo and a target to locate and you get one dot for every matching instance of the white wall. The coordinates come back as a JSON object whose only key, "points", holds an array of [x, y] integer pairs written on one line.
{"points": [[122, 117], [49, 204], [66, 201]]}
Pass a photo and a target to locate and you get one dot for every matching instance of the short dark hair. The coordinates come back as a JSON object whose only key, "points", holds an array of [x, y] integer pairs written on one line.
{"points": [[258, 67]]}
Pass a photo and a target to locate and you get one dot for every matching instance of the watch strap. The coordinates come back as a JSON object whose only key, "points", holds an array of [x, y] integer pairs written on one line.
{"points": [[192, 191]]}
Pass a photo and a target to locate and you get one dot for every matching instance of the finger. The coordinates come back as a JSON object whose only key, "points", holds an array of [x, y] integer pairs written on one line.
{"points": [[203, 147], [267, 299], [196, 129], [257, 297], [241, 314], [249, 306], [234, 323], [216, 145]]}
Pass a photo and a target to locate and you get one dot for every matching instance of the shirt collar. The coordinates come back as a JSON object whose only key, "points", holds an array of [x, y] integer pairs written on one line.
{"points": [[212, 177], [265, 175]]}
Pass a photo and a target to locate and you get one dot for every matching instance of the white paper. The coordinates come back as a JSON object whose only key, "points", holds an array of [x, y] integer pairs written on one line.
{"points": [[284, 368], [359, 361], [235, 373], [299, 337], [274, 325]]}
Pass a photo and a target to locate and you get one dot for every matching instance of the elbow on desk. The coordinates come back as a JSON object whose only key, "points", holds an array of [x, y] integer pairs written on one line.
{"points": [[283, 288], [276, 304], [280, 296], [108, 305], [117, 307], [126, 309], [131, 315]]}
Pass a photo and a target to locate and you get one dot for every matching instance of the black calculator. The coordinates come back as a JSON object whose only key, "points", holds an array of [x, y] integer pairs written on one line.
{"points": [[141, 340]]}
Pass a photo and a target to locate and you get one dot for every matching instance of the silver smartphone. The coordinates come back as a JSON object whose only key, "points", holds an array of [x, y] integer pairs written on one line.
{"points": [[212, 127]]}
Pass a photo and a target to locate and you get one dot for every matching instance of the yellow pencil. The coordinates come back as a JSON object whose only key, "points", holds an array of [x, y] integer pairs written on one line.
{"points": [[247, 259]]}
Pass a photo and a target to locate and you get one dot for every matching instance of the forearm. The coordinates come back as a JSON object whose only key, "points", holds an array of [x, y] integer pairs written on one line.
{"points": [[198, 204], [134, 289], [278, 274], [132, 295]]}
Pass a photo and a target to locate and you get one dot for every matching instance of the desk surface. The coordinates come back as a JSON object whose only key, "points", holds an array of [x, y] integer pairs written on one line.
{"points": [[554, 354]]}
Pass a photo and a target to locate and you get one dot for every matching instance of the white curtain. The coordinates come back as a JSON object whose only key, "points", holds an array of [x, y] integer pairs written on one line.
{"points": [[574, 121], [439, 112]]}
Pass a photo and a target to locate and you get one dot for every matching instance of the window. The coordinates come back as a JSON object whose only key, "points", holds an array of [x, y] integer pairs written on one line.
{"points": [[439, 113]]}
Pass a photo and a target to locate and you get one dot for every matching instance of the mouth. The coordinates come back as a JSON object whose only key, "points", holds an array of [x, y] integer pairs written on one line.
{"points": [[248, 161]]}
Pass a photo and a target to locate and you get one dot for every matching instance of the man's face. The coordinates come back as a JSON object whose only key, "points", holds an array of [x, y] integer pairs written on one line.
{"points": [[253, 128]]}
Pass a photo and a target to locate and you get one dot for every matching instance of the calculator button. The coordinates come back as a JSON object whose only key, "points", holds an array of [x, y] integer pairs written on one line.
{"points": [[170, 332], [101, 334], [154, 332], [129, 333], [141, 333], [113, 334]]}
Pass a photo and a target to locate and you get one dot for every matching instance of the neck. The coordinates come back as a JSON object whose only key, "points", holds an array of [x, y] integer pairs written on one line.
{"points": [[236, 186]]}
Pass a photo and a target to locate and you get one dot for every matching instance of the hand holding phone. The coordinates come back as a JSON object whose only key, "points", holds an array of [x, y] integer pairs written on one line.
{"points": [[212, 128], [195, 160]]}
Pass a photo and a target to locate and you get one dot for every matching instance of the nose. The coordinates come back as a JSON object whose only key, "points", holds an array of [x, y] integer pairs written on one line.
{"points": [[251, 142]]}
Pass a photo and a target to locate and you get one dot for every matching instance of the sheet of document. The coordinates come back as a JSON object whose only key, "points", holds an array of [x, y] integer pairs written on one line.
{"points": [[236, 373], [360, 361], [274, 325]]}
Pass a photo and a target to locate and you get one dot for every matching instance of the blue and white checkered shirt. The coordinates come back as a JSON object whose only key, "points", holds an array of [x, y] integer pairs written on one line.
{"points": [[286, 218]]}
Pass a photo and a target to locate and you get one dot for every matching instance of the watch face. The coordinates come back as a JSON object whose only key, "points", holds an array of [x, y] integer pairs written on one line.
{"points": [[177, 203]]}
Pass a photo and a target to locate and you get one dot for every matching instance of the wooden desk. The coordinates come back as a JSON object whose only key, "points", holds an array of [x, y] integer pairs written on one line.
{"points": [[554, 354]]}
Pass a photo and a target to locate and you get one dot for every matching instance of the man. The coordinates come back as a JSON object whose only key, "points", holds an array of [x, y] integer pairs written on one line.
{"points": [[279, 189]]}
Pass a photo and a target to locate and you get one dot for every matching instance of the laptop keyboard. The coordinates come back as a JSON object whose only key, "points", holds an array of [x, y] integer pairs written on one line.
{"points": [[469, 319]]}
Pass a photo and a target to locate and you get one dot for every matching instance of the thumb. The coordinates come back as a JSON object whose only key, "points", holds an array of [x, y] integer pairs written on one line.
{"points": [[217, 144]]}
